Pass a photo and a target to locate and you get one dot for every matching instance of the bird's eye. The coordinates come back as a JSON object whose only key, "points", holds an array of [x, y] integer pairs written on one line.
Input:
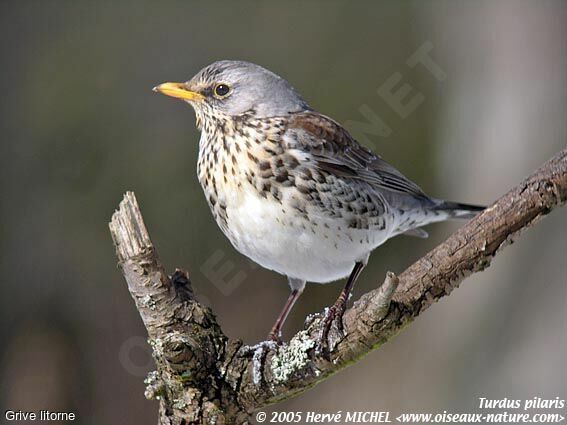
{"points": [[221, 90]]}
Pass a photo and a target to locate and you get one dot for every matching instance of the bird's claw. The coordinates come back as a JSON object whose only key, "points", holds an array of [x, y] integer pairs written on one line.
{"points": [[275, 337], [332, 329], [259, 352], [246, 350]]}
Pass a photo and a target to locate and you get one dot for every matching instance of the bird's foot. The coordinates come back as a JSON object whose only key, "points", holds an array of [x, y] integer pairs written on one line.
{"points": [[275, 336], [332, 329], [259, 352]]}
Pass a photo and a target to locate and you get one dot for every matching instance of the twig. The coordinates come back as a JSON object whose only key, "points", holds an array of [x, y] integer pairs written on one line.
{"points": [[204, 377]]}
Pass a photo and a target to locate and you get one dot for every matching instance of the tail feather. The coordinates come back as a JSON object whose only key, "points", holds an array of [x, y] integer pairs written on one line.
{"points": [[459, 210]]}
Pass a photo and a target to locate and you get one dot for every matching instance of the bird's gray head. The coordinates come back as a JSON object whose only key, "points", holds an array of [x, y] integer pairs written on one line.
{"points": [[232, 88]]}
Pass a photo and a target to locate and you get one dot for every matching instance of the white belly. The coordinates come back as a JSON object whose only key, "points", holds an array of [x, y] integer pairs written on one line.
{"points": [[280, 239]]}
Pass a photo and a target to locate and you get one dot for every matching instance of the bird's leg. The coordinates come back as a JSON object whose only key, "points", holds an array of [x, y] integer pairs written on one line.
{"points": [[336, 311], [275, 333], [275, 336], [297, 289]]}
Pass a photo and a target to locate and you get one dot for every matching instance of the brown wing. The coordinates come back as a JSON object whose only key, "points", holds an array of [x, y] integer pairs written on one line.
{"points": [[338, 153]]}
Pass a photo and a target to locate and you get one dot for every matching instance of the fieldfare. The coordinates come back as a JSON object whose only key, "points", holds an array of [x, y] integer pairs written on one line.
{"points": [[291, 188]]}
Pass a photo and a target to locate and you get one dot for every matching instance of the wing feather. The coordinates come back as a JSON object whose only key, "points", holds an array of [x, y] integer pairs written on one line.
{"points": [[338, 153]]}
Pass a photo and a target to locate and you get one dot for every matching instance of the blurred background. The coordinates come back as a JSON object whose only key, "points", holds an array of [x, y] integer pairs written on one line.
{"points": [[79, 125]]}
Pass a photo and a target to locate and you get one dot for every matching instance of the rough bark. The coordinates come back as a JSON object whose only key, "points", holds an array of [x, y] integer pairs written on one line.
{"points": [[204, 377]]}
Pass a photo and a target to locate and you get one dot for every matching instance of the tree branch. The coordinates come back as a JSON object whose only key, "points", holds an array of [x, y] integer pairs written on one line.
{"points": [[204, 377]]}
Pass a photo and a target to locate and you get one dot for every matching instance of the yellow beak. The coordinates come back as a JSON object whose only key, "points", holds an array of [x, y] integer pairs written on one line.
{"points": [[178, 90]]}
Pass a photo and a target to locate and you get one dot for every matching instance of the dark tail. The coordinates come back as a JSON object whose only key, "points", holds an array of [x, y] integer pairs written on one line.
{"points": [[458, 210]]}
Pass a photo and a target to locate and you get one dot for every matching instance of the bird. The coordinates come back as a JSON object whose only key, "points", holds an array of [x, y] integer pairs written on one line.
{"points": [[291, 188]]}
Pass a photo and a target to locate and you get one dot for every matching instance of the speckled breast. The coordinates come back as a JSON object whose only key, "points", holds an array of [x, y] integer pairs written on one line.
{"points": [[278, 209]]}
